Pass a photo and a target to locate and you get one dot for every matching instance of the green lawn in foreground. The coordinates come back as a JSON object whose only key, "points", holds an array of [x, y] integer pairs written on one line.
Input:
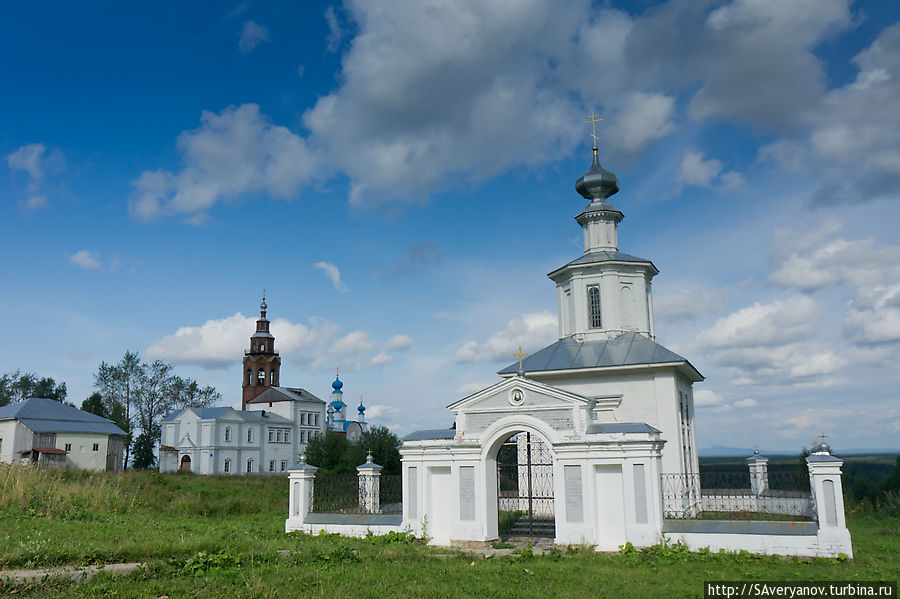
{"points": [[167, 520]]}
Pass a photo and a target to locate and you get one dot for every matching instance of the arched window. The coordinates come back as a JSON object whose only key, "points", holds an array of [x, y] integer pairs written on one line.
{"points": [[228, 434], [249, 435], [260, 377], [249, 465], [594, 305], [227, 466], [249, 379], [272, 378]]}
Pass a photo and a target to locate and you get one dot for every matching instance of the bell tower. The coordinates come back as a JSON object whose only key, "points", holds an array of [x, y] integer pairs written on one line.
{"points": [[603, 293], [261, 363]]}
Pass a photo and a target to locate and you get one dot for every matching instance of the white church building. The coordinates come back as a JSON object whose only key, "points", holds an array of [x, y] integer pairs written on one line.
{"points": [[271, 430], [604, 418]]}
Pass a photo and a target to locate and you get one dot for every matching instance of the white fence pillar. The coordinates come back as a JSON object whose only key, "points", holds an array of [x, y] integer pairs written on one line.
{"points": [[828, 499], [369, 486], [759, 473], [300, 502]]}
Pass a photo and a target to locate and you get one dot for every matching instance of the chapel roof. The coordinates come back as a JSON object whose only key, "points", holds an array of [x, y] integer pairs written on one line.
{"points": [[627, 349], [42, 415], [603, 256]]}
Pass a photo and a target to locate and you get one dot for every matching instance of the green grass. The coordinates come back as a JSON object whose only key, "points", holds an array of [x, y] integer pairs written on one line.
{"points": [[218, 537]]}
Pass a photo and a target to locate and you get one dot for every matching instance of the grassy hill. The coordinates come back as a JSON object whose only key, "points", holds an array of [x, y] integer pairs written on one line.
{"points": [[222, 537]]}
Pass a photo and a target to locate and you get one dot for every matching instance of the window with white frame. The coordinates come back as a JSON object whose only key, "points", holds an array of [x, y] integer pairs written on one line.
{"points": [[249, 465], [271, 435], [594, 305], [271, 465], [283, 465], [302, 418], [287, 435], [227, 466], [228, 434], [249, 435]]}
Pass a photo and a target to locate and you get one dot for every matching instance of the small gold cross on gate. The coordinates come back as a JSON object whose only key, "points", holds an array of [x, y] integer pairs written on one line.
{"points": [[520, 355], [593, 123]]}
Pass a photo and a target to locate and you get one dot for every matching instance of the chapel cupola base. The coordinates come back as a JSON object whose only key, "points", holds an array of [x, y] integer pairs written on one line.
{"points": [[261, 363]]}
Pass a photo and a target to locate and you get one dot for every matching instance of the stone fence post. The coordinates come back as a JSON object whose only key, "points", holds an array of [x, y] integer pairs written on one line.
{"points": [[301, 477], [369, 486], [828, 500], [759, 473]]}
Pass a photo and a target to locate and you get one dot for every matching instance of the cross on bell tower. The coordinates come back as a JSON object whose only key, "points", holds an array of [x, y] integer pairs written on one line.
{"points": [[261, 363]]}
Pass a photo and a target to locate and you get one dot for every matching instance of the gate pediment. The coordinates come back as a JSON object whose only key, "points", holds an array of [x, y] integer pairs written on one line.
{"points": [[562, 410]]}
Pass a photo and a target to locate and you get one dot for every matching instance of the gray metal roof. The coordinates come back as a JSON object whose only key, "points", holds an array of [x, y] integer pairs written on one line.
{"points": [[218, 411], [42, 415], [628, 349], [600, 257], [620, 427], [295, 393], [441, 433]]}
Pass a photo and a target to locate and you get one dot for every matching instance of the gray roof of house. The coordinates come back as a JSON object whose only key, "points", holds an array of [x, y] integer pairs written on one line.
{"points": [[628, 349], [441, 433], [48, 416], [620, 427], [217, 411]]}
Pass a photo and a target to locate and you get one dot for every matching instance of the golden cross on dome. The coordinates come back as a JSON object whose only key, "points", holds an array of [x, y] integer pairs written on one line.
{"points": [[520, 355], [593, 123], [822, 437]]}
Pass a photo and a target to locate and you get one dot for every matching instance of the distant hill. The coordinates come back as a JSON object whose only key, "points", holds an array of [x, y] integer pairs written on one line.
{"points": [[721, 451]]}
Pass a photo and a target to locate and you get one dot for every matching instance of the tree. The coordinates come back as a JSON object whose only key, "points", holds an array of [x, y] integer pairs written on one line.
{"points": [[118, 384], [143, 449], [137, 395], [16, 386], [185, 393], [94, 405], [334, 455]]}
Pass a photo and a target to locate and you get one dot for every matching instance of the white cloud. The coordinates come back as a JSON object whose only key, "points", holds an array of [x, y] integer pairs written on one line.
{"points": [[335, 31], [36, 202], [686, 304], [233, 153], [470, 388], [531, 331], [851, 138], [380, 411], [746, 403], [867, 272], [783, 321], [695, 170], [86, 259], [218, 343], [706, 397], [333, 273], [399, 343], [37, 163], [252, 34], [380, 359], [433, 95]]}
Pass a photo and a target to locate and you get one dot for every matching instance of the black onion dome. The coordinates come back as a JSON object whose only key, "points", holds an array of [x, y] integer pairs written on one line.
{"points": [[598, 183]]}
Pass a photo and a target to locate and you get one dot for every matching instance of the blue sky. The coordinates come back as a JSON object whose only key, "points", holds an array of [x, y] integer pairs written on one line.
{"points": [[399, 178]]}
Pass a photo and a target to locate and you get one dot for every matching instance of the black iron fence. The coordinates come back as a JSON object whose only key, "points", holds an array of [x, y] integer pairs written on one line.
{"points": [[391, 494], [336, 493], [737, 496], [353, 494]]}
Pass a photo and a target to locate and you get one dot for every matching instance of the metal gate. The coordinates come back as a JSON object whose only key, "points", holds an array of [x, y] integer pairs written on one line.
{"points": [[525, 487]]}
